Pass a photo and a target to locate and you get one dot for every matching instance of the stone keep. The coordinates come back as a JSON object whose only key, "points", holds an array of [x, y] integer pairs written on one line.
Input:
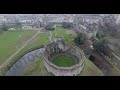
{"points": [[60, 47]]}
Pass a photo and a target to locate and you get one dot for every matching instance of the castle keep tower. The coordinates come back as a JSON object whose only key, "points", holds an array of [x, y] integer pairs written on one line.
{"points": [[59, 47]]}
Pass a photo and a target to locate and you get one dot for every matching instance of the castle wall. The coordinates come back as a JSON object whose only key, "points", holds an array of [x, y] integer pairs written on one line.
{"points": [[64, 71]]}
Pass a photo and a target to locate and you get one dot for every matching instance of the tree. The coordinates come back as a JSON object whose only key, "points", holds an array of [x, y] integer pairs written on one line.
{"points": [[100, 47], [80, 38], [18, 24], [67, 25], [100, 34], [4, 27], [109, 27], [50, 26]]}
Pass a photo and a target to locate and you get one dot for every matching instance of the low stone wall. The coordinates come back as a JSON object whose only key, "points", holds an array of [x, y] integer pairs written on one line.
{"points": [[53, 50], [114, 59]]}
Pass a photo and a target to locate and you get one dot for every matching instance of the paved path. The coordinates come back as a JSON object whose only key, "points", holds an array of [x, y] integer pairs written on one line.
{"points": [[10, 58]]}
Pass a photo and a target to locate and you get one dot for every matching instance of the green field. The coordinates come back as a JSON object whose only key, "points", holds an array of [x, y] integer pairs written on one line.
{"points": [[64, 60], [40, 39], [12, 41]]}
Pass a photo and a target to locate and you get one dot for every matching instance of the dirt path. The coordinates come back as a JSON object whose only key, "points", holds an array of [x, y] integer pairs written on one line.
{"points": [[10, 58], [50, 37]]}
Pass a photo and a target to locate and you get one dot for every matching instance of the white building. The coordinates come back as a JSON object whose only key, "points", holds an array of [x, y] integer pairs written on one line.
{"points": [[27, 28]]}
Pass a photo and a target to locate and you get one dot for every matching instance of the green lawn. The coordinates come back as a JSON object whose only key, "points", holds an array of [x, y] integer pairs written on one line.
{"points": [[90, 69], [42, 38], [64, 60], [11, 41]]}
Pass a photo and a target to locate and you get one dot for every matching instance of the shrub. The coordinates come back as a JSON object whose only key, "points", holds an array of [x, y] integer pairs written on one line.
{"points": [[4, 27], [50, 27]]}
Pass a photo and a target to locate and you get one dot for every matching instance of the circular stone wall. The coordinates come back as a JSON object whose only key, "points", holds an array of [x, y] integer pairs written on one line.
{"points": [[54, 49]]}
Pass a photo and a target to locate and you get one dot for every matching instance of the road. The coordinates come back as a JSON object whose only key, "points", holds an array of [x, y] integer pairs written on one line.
{"points": [[27, 42]]}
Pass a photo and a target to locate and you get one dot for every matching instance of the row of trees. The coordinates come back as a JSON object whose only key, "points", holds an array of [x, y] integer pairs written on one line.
{"points": [[107, 28], [99, 45], [5, 27], [51, 26]]}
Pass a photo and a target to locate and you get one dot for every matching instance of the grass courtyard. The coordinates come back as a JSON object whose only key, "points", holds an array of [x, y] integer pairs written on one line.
{"points": [[64, 60]]}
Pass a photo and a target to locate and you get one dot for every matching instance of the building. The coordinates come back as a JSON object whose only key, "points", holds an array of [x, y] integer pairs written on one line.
{"points": [[88, 24], [27, 27]]}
